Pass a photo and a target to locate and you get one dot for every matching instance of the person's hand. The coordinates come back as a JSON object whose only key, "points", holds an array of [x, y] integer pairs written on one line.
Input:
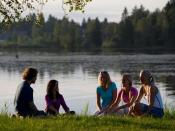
{"points": [[108, 110], [72, 112], [116, 110]]}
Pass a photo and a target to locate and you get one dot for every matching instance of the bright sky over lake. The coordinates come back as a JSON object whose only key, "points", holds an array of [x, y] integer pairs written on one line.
{"points": [[110, 9]]}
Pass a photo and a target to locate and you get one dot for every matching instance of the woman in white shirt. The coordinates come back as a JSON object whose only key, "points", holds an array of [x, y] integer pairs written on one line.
{"points": [[152, 93]]}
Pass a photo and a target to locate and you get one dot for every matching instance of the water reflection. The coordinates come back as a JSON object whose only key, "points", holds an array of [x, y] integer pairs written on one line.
{"points": [[77, 74], [169, 83]]}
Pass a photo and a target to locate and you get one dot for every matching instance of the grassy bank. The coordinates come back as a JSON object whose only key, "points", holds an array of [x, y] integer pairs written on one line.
{"points": [[87, 123]]}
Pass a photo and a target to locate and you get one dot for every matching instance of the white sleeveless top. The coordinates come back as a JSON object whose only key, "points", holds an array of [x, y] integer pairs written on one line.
{"points": [[158, 103]]}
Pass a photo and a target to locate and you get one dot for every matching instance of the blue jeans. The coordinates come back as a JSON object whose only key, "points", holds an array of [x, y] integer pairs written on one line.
{"points": [[155, 112]]}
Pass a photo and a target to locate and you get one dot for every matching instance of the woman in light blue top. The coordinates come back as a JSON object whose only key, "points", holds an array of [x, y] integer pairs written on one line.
{"points": [[106, 92], [152, 93]]}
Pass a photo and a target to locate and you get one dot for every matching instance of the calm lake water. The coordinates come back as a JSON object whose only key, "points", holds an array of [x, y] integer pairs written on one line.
{"points": [[77, 75]]}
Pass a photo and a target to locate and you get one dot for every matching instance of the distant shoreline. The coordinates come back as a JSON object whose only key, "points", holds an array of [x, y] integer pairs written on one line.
{"points": [[91, 51]]}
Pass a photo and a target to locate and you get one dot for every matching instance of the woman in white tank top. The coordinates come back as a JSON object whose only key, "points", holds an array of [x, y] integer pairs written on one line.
{"points": [[149, 90]]}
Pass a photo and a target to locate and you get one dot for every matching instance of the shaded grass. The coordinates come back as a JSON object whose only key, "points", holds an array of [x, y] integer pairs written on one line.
{"points": [[87, 123]]}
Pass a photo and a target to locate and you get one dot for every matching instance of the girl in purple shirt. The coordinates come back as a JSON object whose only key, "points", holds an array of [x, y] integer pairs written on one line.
{"points": [[127, 94], [54, 99]]}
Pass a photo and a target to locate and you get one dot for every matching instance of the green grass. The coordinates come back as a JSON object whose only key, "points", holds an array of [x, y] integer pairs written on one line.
{"points": [[87, 123]]}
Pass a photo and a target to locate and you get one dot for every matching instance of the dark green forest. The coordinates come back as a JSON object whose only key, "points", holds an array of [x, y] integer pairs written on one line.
{"points": [[141, 29]]}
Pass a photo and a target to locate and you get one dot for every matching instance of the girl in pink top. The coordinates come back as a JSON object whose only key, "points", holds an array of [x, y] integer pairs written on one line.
{"points": [[127, 94]]}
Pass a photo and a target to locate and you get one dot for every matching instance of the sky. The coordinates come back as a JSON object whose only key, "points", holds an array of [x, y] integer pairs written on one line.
{"points": [[110, 9]]}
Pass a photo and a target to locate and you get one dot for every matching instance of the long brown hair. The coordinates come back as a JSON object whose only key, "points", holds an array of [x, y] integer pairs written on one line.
{"points": [[50, 87], [127, 77]]}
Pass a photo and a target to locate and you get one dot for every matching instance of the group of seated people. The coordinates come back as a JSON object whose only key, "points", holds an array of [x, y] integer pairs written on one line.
{"points": [[108, 101], [24, 103], [107, 92]]}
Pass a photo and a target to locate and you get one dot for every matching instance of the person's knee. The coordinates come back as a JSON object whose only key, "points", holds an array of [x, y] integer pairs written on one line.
{"points": [[137, 109]]}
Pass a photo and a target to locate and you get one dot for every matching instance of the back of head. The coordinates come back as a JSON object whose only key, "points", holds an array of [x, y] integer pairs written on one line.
{"points": [[29, 73], [147, 76]]}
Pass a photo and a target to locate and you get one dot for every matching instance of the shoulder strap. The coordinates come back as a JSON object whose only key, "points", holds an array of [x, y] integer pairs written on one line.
{"points": [[158, 99]]}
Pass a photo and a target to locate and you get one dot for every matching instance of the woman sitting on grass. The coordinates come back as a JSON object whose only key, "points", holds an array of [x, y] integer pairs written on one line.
{"points": [[127, 94], [149, 90], [54, 99], [107, 92]]}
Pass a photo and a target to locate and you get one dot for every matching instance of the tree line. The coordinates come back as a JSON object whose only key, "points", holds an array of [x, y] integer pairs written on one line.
{"points": [[140, 29]]}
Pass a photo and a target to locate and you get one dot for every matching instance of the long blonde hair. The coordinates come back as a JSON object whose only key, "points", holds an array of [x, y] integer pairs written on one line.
{"points": [[104, 74]]}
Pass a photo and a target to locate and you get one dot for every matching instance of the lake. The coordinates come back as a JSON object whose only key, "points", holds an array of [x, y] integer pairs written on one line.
{"points": [[77, 75]]}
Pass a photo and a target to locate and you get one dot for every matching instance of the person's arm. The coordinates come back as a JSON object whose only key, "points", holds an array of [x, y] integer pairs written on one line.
{"points": [[133, 109], [49, 104], [98, 102], [116, 103], [152, 95], [141, 93], [28, 96], [52, 108], [114, 96], [128, 104], [63, 104], [33, 107]]}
